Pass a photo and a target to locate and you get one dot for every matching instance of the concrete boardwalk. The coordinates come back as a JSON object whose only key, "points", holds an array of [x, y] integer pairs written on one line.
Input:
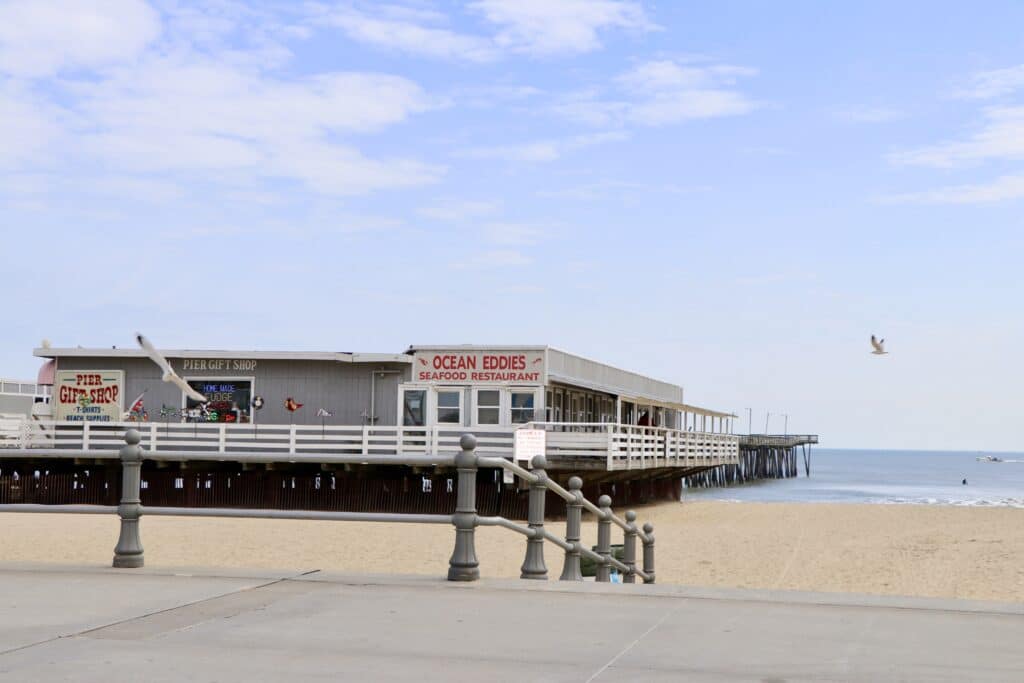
{"points": [[86, 624]]}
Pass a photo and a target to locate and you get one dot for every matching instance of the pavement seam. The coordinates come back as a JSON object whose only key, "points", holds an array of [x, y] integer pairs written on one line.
{"points": [[155, 612], [629, 647]]}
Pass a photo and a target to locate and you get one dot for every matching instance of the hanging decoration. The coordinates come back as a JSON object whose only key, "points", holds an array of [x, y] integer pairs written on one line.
{"points": [[257, 404], [167, 412], [137, 411], [323, 414], [291, 406]]}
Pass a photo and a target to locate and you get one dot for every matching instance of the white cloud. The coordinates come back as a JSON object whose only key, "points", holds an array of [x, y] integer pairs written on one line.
{"points": [[1002, 137], [43, 38], [663, 92], [540, 151], [514, 234], [452, 210], [29, 126], [403, 33], [989, 84], [494, 258], [869, 115], [543, 27], [1002, 189], [537, 27]]}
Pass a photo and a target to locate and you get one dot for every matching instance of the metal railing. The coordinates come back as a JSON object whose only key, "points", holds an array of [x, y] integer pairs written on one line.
{"points": [[463, 565]]}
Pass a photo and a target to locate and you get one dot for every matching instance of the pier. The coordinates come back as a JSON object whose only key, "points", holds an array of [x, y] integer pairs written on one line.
{"points": [[761, 456], [288, 466]]}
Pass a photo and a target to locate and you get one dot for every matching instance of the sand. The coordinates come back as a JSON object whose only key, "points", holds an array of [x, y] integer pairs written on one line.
{"points": [[933, 551]]}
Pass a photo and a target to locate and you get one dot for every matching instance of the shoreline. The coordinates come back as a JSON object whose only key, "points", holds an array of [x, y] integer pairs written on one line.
{"points": [[965, 552]]}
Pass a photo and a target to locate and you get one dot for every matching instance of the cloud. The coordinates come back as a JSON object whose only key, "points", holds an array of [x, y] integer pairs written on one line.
{"points": [[43, 38], [1002, 189], [494, 258], [535, 27], [989, 84], [404, 34], [215, 112], [514, 234], [541, 151], [452, 210], [869, 115], [542, 27], [617, 190], [663, 92], [1001, 137], [29, 126]]}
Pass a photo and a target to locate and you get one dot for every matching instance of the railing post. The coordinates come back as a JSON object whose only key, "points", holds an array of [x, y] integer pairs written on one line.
{"points": [[533, 565], [85, 436], [629, 548], [463, 565], [573, 530], [604, 539], [128, 552], [291, 439], [611, 444], [649, 553], [223, 437]]}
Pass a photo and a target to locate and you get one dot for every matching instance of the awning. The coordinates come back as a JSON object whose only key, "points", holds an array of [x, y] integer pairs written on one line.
{"points": [[45, 375]]}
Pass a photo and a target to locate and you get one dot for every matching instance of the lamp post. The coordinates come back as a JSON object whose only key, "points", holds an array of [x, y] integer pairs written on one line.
{"points": [[767, 415], [785, 428], [750, 417]]}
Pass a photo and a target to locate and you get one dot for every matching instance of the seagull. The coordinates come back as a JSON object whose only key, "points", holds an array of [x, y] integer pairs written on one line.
{"points": [[879, 346], [169, 374]]}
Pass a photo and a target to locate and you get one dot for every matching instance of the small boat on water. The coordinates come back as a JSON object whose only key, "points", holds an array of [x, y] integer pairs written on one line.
{"points": [[988, 458]]}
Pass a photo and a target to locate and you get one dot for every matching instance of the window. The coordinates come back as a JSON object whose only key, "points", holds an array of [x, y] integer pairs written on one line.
{"points": [[522, 407], [488, 406], [449, 407], [413, 407], [229, 400]]}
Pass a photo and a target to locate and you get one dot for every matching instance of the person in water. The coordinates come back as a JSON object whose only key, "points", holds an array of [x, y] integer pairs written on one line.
{"points": [[964, 482]]}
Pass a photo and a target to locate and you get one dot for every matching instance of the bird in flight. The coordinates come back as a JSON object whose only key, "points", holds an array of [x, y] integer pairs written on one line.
{"points": [[169, 374], [878, 345]]}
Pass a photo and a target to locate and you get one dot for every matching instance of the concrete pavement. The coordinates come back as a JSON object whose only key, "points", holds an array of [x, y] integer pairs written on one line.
{"points": [[94, 624]]}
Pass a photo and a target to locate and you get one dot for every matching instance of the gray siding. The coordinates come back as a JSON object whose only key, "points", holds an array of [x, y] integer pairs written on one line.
{"points": [[342, 388]]}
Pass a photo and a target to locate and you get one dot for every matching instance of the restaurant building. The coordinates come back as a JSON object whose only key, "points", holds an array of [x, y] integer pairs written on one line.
{"points": [[465, 385]]}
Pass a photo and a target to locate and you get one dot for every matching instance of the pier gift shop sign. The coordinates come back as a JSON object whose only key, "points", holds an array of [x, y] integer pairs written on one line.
{"points": [[89, 395], [479, 367]]}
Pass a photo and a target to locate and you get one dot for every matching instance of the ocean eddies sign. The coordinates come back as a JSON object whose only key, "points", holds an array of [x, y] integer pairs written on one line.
{"points": [[479, 367]]}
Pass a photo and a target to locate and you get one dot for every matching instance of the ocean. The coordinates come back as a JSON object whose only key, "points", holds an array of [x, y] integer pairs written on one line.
{"points": [[878, 476]]}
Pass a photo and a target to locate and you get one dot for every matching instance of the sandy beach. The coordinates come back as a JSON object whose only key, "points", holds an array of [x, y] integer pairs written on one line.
{"points": [[935, 551]]}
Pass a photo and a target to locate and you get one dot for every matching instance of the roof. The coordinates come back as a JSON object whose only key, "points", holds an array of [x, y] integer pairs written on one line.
{"points": [[340, 357]]}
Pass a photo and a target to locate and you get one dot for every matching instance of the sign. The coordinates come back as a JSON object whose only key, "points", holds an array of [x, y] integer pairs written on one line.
{"points": [[479, 367], [89, 395], [217, 364], [528, 443]]}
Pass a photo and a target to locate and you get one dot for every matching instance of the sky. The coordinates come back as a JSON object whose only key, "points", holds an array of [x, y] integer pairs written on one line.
{"points": [[732, 196]]}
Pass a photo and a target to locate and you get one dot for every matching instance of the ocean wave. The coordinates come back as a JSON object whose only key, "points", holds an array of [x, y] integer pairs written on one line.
{"points": [[953, 502]]}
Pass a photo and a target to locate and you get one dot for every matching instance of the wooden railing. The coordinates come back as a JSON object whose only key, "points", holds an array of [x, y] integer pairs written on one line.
{"points": [[621, 447]]}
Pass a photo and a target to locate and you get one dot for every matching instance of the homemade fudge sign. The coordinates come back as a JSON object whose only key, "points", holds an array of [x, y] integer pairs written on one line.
{"points": [[479, 367], [88, 395]]}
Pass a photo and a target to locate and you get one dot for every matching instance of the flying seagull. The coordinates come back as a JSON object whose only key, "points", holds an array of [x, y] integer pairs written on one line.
{"points": [[169, 374], [879, 346]]}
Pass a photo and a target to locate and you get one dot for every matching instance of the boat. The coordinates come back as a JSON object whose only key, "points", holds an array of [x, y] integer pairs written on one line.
{"points": [[988, 458]]}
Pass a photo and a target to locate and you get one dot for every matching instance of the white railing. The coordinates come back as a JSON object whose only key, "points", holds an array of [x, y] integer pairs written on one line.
{"points": [[633, 447], [621, 447]]}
